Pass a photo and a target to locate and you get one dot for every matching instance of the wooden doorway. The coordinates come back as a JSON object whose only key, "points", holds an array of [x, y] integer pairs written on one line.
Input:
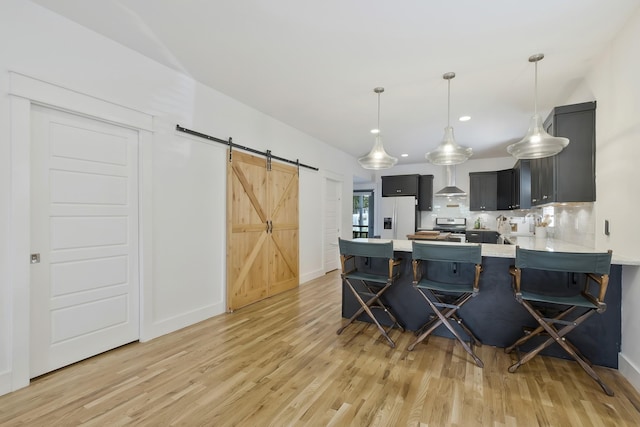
{"points": [[262, 229]]}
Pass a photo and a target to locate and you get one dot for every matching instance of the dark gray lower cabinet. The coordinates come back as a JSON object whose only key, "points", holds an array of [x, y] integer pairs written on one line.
{"points": [[482, 236]]}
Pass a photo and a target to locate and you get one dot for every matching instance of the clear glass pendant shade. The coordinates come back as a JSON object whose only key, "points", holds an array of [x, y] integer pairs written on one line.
{"points": [[448, 152], [377, 157], [537, 143]]}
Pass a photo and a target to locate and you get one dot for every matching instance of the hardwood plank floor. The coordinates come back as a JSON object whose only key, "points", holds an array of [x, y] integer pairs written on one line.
{"points": [[279, 362]]}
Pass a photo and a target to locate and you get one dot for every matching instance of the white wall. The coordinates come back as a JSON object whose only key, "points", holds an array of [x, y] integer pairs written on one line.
{"points": [[188, 181], [614, 84]]}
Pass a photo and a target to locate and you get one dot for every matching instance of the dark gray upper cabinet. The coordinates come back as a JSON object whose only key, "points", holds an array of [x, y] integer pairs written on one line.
{"points": [[483, 191], [570, 175], [542, 181], [506, 190], [514, 187], [522, 184], [425, 193], [400, 185]]}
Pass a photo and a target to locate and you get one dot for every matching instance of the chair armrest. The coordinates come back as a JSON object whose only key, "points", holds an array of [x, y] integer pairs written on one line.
{"points": [[343, 262], [416, 265], [602, 281], [516, 273], [476, 280], [393, 263]]}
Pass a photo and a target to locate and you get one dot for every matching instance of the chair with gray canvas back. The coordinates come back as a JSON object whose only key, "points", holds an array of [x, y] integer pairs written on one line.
{"points": [[445, 297], [368, 285], [559, 313]]}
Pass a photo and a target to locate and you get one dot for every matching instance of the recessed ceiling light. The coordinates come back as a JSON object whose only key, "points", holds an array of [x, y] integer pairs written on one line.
{"points": [[464, 118], [404, 155], [375, 131]]}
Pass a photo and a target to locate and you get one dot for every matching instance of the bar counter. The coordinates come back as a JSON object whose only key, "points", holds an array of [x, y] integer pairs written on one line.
{"points": [[494, 315]]}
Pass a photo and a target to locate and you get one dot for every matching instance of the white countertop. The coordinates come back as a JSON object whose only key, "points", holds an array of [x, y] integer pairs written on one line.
{"points": [[509, 251]]}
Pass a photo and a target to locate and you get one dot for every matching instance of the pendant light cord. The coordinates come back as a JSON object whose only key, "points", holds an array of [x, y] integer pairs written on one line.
{"points": [[378, 113], [449, 103], [535, 90]]}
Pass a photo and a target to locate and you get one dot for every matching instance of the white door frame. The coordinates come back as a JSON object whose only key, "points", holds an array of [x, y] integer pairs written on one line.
{"points": [[339, 179], [25, 91]]}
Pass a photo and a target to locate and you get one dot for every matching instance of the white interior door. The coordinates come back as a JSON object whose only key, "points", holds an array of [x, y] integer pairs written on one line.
{"points": [[331, 224], [84, 226]]}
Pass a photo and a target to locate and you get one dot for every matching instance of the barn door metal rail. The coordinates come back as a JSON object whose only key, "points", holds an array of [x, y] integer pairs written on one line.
{"points": [[232, 145]]}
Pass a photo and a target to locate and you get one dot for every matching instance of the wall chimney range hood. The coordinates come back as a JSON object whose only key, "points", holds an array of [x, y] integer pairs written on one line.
{"points": [[450, 190]]}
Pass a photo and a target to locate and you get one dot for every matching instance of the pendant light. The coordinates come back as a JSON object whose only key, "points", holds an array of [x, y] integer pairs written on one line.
{"points": [[448, 152], [537, 143], [377, 157]]}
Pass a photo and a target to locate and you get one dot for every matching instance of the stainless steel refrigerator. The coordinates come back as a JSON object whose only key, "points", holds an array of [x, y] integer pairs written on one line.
{"points": [[398, 217]]}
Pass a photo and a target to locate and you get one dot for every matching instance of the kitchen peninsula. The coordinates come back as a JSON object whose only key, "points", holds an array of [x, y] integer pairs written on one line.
{"points": [[494, 315]]}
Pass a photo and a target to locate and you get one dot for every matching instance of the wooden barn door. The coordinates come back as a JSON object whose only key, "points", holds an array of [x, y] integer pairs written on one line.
{"points": [[262, 229]]}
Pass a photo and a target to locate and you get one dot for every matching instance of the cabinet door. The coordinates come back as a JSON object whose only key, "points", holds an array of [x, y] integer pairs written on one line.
{"points": [[506, 194], [425, 196], [400, 185], [484, 191], [575, 165], [489, 236], [522, 184], [473, 237], [542, 181], [535, 181]]}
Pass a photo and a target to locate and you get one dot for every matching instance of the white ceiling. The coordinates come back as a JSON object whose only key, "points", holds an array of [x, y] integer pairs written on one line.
{"points": [[314, 64]]}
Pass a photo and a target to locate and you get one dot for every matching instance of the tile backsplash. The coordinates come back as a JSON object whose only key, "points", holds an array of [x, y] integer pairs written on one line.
{"points": [[573, 223]]}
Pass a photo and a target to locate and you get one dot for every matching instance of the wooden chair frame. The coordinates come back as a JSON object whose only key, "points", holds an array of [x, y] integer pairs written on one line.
{"points": [[432, 292], [591, 304], [369, 285]]}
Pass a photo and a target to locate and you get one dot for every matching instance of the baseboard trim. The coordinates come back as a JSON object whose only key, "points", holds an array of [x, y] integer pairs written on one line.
{"points": [[166, 326], [307, 277], [629, 371], [6, 385]]}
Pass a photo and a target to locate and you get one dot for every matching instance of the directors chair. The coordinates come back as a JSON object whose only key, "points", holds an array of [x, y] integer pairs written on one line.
{"points": [[552, 309], [367, 285], [446, 297]]}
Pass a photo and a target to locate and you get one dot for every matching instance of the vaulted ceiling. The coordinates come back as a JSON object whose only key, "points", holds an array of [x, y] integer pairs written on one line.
{"points": [[313, 64]]}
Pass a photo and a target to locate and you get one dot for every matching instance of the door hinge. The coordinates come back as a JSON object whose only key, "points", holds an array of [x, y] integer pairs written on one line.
{"points": [[35, 259]]}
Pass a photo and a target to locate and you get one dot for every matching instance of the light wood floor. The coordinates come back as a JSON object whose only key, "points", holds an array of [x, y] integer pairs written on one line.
{"points": [[280, 362]]}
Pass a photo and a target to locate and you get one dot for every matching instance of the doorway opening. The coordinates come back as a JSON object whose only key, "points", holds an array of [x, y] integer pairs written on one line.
{"points": [[363, 214]]}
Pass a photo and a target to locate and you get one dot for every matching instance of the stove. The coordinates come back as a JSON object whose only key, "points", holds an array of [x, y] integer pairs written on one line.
{"points": [[455, 226], [451, 225]]}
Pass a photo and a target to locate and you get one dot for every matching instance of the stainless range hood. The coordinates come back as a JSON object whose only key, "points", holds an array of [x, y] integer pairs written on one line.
{"points": [[450, 190]]}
